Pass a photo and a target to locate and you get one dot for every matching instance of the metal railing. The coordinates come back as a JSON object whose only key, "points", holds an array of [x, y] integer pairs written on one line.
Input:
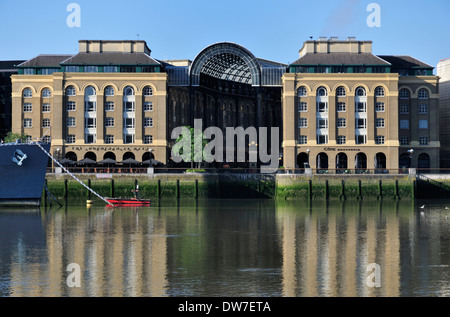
{"points": [[161, 169]]}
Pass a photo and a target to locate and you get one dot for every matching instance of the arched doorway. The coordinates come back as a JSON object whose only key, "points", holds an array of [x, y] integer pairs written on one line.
{"points": [[341, 162], [322, 161], [128, 155], [380, 161], [423, 161], [109, 155], [405, 160], [360, 162], [302, 160], [91, 156], [148, 156], [71, 156]]}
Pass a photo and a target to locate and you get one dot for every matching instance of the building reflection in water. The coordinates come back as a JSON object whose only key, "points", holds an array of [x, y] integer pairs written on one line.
{"points": [[327, 249], [229, 248]]}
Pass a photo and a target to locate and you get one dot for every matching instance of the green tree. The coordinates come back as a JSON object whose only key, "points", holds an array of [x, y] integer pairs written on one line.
{"points": [[195, 156], [12, 137]]}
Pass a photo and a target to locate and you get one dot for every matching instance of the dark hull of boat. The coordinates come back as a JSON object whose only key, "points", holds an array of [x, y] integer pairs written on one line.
{"points": [[22, 184]]}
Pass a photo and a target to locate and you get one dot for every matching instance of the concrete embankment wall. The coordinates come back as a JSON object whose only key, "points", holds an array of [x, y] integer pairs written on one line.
{"points": [[197, 185]]}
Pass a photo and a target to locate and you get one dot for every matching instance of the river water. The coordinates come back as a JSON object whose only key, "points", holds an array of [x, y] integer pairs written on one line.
{"points": [[239, 248]]}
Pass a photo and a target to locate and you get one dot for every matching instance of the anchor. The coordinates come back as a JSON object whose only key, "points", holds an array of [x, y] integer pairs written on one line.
{"points": [[18, 157]]}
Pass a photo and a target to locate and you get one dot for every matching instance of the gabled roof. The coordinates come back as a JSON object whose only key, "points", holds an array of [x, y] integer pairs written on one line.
{"points": [[45, 60], [404, 61], [107, 58], [340, 59]]}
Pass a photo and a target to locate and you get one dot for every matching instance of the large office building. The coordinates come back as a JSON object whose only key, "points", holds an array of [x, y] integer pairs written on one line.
{"points": [[346, 108], [338, 106]]}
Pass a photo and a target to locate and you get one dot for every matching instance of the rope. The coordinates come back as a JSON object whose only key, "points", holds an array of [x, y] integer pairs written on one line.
{"points": [[65, 170]]}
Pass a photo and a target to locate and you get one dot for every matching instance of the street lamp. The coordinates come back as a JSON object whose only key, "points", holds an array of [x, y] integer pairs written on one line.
{"points": [[411, 152], [307, 151]]}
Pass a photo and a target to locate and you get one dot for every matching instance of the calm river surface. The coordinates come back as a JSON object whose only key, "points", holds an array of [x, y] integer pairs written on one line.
{"points": [[228, 248]]}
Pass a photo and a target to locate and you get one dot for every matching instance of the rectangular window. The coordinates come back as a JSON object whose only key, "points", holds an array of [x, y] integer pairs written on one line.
{"points": [[109, 106], [47, 139], [148, 139], [404, 108], [90, 106], [45, 107], [71, 122], [110, 69], [27, 107], [90, 138], [128, 138], [404, 124], [302, 139], [128, 123], [109, 139], [359, 69], [302, 123], [322, 138], [49, 71], [404, 140], [361, 139], [423, 109], [361, 123], [341, 123], [423, 124], [148, 106], [379, 107], [128, 106], [148, 122], [341, 139], [302, 107], [71, 106], [322, 107], [361, 107], [45, 123], [379, 123], [423, 140], [109, 122], [322, 123], [90, 123], [128, 69], [70, 138], [341, 107], [90, 69], [72, 69], [27, 123], [379, 139], [28, 71]]}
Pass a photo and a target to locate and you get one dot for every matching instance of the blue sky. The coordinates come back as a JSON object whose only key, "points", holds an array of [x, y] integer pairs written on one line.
{"points": [[180, 29]]}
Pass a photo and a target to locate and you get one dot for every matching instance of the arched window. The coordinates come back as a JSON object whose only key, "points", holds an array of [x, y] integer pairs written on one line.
{"points": [[423, 161], [379, 92], [109, 91], [90, 91], [404, 93], [148, 91], [321, 91], [302, 92], [27, 93], [128, 91], [360, 91], [340, 92], [46, 93], [423, 94], [70, 91]]}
